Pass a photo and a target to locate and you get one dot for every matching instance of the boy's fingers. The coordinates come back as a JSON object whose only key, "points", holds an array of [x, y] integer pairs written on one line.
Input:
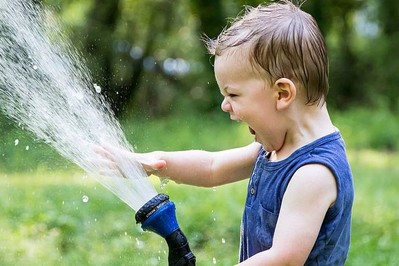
{"points": [[113, 155], [159, 165], [110, 173], [102, 162], [103, 152], [152, 165]]}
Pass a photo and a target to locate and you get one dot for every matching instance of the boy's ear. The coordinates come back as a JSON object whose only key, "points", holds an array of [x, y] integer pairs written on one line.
{"points": [[285, 91]]}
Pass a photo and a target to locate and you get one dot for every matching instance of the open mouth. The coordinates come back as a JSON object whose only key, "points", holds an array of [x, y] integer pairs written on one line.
{"points": [[251, 131]]}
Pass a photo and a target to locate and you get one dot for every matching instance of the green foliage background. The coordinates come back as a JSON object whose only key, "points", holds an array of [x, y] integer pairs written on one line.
{"points": [[44, 220], [128, 43]]}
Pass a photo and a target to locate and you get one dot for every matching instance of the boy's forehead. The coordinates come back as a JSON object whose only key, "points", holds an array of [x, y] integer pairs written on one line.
{"points": [[233, 66], [236, 61], [233, 55], [228, 62]]}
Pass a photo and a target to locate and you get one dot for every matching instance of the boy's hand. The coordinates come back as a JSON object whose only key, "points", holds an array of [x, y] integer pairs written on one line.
{"points": [[116, 158]]}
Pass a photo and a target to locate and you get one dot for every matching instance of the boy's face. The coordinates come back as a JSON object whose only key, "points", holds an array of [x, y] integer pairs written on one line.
{"points": [[247, 97]]}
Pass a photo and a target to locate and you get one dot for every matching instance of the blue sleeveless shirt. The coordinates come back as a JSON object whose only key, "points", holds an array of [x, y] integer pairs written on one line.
{"points": [[266, 189]]}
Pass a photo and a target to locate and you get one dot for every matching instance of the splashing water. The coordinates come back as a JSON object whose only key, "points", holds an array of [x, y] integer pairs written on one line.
{"points": [[45, 88], [85, 198]]}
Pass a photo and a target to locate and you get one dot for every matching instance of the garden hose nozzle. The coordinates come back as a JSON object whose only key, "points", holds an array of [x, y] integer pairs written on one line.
{"points": [[158, 215]]}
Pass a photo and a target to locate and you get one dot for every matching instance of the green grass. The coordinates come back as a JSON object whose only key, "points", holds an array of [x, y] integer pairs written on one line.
{"points": [[44, 220], [376, 210]]}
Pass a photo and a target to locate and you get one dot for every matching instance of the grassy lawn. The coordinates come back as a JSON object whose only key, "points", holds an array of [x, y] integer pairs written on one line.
{"points": [[375, 235], [45, 221]]}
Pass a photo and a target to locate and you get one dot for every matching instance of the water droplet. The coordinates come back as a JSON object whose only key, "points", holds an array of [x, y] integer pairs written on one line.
{"points": [[16, 142], [97, 88], [213, 215], [35, 67], [125, 233], [223, 241], [85, 198], [214, 260], [139, 244], [27, 148], [164, 182]]}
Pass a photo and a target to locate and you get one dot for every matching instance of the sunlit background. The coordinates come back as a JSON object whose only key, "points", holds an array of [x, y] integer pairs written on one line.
{"points": [[149, 60]]}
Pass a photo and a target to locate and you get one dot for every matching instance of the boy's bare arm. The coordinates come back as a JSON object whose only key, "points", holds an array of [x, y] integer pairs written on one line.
{"points": [[194, 167], [309, 195], [203, 168]]}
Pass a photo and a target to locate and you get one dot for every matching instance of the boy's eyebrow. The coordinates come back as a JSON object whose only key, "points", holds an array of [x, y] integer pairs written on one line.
{"points": [[228, 88], [225, 89]]}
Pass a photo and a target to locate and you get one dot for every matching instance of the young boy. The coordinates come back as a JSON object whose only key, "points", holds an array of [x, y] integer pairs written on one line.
{"points": [[272, 69]]}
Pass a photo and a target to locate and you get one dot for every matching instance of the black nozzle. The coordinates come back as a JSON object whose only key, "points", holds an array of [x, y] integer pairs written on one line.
{"points": [[150, 207], [179, 250], [158, 215]]}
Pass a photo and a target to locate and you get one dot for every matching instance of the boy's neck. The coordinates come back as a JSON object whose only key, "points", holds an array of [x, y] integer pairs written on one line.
{"points": [[311, 125]]}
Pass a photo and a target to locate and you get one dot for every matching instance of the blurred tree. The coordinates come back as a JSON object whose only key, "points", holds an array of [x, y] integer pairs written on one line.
{"points": [[136, 50], [389, 16], [101, 22], [211, 17], [386, 54], [148, 54], [336, 21]]}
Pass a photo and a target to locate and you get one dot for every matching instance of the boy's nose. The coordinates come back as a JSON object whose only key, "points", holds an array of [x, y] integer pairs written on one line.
{"points": [[226, 107]]}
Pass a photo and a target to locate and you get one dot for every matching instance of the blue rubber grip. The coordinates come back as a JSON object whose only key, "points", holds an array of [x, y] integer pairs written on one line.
{"points": [[162, 221]]}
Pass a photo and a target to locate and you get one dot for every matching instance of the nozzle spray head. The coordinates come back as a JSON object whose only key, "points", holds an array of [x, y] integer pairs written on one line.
{"points": [[158, 215]]}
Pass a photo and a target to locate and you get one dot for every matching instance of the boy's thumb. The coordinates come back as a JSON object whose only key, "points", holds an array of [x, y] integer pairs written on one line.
{"points": [[158, 165]]}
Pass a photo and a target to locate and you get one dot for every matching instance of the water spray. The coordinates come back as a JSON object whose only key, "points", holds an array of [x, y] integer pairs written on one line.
{"points": [[158, 216], [46, 88]]}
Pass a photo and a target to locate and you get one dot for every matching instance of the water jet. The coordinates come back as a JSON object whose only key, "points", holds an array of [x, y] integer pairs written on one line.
{"points": [[46, 88]]}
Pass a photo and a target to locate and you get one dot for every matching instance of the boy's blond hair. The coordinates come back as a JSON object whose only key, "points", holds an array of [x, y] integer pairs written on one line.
{"points": [[285, 42]]}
